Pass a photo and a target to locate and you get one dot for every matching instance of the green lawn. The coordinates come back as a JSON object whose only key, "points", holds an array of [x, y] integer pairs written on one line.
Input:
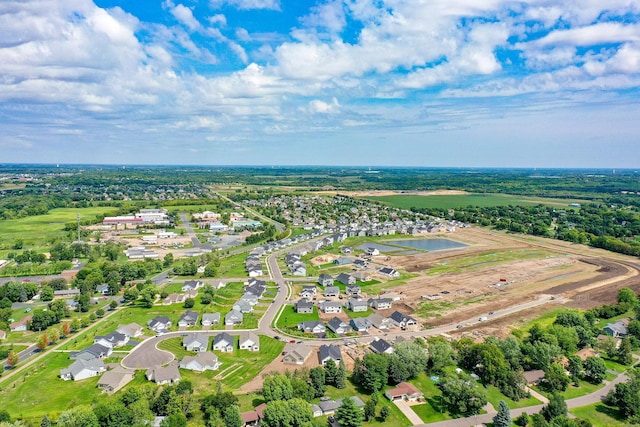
{"points": [[289, 317], [358, 314], [38, 230], [494, 397], [599, 415], [174, 345], [583, 389], [464, 200], [233, 266], [615, 366], [431, 411]]}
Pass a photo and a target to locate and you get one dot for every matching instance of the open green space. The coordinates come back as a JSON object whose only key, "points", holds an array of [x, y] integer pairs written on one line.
{"points": [[494, 397], [40, 229], [233, 266], [464, 200], [600, 414], [476, 262], [428, 309], [432, 410], [583, 389], [359, 314], [289, 317]]}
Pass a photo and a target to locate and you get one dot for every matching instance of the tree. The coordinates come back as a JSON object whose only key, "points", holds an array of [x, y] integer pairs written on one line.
{"points": [[555, 408], [595, 370], [330, 372], [371, 373], [277, 387], [575, 368], [369, 410], [522, 420], [624, 353], [100, 313], [348, 414], [384, 413], [461, 395], [206, 299], [130, 294], [113, 304], [174, 420], [441, 355], [4, 416], [341, 376], [84, 302], [45, 422], [167, 260], [555, 378], [148, 295], [317, 378], [43, 342], [231, 416], [66, 328], [627, 296], [503, 417], [54, 335], [189, 303], [78, 416], [12, 359], [407, 361], [46, 294]]}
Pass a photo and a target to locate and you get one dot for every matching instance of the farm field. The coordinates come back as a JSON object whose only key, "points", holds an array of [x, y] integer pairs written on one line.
{"points": [[464, 200], [37, 230]]}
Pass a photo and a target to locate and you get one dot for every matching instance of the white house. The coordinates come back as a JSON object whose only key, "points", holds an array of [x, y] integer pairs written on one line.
{"points": [[249, 341], [223, 342], [204, 361]]}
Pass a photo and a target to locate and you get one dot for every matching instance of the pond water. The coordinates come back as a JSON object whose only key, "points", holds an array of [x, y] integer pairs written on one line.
{"points": [[428, 244]]}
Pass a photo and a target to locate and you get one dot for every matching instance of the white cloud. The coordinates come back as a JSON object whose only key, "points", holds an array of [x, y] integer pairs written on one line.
{"points": [[605, 32], [247, 4], [321, 107], [217, 19], [184, 15]]}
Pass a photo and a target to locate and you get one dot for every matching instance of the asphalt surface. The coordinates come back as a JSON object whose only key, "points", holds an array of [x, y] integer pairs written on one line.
{"points": [[24, 355], [191, 233]]}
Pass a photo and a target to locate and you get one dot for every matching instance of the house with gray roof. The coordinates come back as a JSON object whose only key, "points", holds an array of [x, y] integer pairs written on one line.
{"points": [[98, 351], [352, 290], [617, 329], [380, 303], [188, 318], [331, 307], [331, 291], [360, 324], [82, 369], [249, 341], [357, 305], [325, 280], [381, 346], [338, 326], [242, 306], [402, 321], [164, 374], [304, 306], [195, 342], [192, 285], [379, 321], [159, 324], [329, 352], [389, 272], [131, 330], [234, 317], [312, 327], [223, 342], [296, 354], [204, 361], [329, 407], [112, 339], [209, 319], [113, 380], [346, 279]]}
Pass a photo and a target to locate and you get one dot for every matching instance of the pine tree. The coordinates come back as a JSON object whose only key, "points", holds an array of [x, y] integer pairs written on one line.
{"points": [[341, 376], [503, 417], [348, 414], [384, 412], [45, 422]]}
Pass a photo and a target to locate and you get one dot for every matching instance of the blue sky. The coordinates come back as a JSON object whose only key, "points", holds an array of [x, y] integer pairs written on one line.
{"points": [[301, 82]]}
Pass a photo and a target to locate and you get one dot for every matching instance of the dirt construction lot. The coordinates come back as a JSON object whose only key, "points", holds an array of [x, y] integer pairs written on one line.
{"points": [[498, 270]]}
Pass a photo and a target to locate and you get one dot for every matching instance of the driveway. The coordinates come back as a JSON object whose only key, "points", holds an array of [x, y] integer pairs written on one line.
{"points": [[408, 412]]}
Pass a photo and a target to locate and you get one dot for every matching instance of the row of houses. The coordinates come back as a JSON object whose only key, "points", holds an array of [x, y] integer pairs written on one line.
{"points": [[362, 324], [254, 290], [224, 342]]}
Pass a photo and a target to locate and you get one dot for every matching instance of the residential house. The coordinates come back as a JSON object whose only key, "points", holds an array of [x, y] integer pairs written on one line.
{"points": [[342, 261], [381, 346], [331, 291], [352, 290], [357, 305], [204, 361], [113, 339], [388, 271], [329, 407], [372, 251], [362, 276], [360, 263], [339, 326], [20, 325], [331, 307], [223, 342], [255, 271], [380, 303], [97, 351], [296, 354], [312, 327], [534, 377], [249, 341], [250, 418], [360, 324], [242, 306], [209, 319], [347, 250], [402, 321], [304, 306], [329, 352], [256, 287], [174, 299], [188, 318], [325, 280], [617, 329], [346, 279], [83, 368], [113, 380], [298, 269], [308, 292], [159, 324], [192, 285], [103, 289], [249, 298], [164, 374], [132, 330], [196, 342], [404, 391], [233, 317]]}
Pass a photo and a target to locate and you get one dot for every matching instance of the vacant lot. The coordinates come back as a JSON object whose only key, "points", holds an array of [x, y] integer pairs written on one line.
{"points": [[464, 200]]}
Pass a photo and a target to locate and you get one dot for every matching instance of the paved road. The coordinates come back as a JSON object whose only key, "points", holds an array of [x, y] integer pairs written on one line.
{"points": [[24, 355], [191, 233]]}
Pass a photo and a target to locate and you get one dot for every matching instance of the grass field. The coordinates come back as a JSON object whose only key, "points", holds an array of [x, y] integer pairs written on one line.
{"points": [[464, 200], [289, 317], [494, 397], [37, 230], [600, 415]]}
